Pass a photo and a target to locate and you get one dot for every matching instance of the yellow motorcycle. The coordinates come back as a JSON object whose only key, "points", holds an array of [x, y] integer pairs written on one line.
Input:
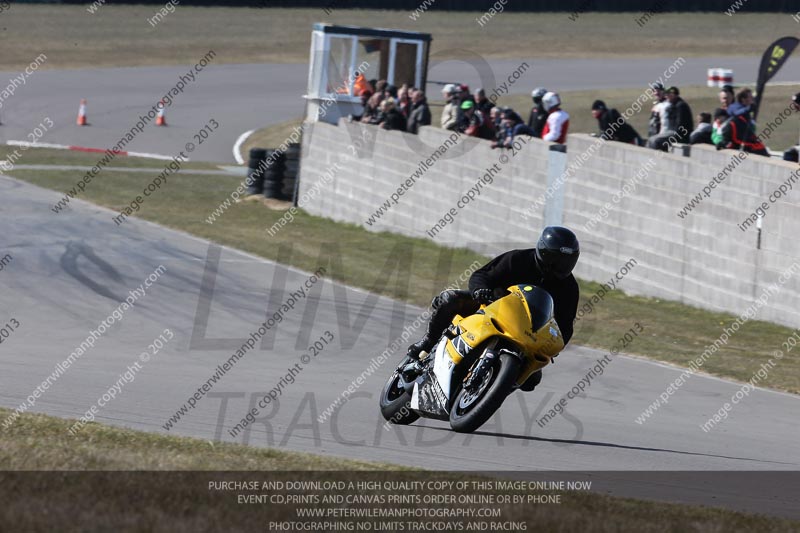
{"points": [[479, 360]]}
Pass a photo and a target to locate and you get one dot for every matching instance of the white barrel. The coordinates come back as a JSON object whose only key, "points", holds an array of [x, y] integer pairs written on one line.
{"points": [[713, 77], [717, 77]]}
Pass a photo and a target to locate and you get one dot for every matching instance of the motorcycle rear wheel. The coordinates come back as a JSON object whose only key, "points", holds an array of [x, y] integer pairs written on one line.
{"points": [[471, 409], [395, 402]]}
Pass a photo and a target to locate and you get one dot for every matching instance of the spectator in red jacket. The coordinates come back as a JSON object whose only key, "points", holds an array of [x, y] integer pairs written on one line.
{"points": [[557, 125]]}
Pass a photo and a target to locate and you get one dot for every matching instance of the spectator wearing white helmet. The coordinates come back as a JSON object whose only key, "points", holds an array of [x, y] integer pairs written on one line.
{"points": [[557, 124], [450, 111]]}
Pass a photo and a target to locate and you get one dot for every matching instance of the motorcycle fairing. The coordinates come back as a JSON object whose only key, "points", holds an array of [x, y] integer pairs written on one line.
{"points": [[513, 318], [429, 395]]}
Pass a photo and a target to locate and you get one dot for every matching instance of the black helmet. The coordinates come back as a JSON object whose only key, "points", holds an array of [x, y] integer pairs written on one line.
{"points": [[557, 252]]}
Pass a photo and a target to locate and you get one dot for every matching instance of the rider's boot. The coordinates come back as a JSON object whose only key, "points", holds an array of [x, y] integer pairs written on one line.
{"points": [[425, 345]]}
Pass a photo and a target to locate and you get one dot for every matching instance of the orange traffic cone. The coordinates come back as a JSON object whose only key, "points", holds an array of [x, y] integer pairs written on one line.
{"points": [[160, 119], [82, 114]]}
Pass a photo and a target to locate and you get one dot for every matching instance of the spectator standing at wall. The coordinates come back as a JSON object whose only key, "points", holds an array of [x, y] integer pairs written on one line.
{"points": [[360, 84], [702, 133], [403, 100], [658, 113], [364, 95], [496, 119], [372, 109], [557, 125], [391, 118], [739, 132], [420, 114], [496, 115], [726, 96], [676, 125], [793, 153], [538, 116], [473, 122], [613, 126], [449, 113], [505, 134], [680, 114], [471, 119], [483, 104], [720, 118], [462, 95]]}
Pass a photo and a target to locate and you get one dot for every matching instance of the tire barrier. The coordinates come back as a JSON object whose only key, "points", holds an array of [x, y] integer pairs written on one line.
{"points": [[254, 175], [291, 172], [274, 173], [274, 165]]}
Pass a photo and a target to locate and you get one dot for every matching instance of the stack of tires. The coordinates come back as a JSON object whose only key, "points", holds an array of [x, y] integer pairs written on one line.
{"points": [[291, 171], [255, 171], [273, 174]]}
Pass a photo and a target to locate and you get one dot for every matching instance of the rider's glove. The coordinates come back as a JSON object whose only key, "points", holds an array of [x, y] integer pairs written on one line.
{"points": [[483, 296]]}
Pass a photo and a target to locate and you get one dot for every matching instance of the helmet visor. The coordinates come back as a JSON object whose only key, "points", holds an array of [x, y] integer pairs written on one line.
{"points": [[557, 263]]}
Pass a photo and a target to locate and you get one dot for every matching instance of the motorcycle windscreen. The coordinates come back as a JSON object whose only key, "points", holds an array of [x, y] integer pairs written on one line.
{"points": [[540, 304]]}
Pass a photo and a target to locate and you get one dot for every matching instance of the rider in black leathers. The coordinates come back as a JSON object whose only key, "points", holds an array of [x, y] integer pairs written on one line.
{"points": [[548, 266]]}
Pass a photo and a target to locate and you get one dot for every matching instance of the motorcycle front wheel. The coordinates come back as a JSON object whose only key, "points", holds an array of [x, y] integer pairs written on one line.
{"points": [[395, 402], [472, 408]]}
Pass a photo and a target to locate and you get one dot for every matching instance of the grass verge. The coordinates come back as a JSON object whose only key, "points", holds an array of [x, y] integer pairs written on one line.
{"points": [[414, 270], [120, 36], [48, 156], [41, 442], [270, 137], [45, 483]]}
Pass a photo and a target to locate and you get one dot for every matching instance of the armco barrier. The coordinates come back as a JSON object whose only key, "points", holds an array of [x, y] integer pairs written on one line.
{"points": [[703, 259]]}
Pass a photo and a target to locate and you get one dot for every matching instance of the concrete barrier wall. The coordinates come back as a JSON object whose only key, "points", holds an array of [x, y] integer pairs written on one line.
{"points": [[622, 201]]}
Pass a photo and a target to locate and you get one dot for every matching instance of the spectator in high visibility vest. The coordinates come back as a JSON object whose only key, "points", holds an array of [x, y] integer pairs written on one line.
{"points": [[361, 84]]}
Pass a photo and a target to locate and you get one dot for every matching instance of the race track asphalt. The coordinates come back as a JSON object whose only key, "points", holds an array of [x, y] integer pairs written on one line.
{"points": [[68, 272]]}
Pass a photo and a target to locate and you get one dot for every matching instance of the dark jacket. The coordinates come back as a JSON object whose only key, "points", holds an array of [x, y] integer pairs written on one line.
{"points": [[681, 115], [519, 266], [484, 107], [537, 120], [610, 129], [393, 120], [503, 132], [475, 125], [739, 133], [420, 115]]}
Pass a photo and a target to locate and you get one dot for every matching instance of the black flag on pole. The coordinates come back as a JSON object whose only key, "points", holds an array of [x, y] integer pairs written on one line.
{"points": [[773, 59]]}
